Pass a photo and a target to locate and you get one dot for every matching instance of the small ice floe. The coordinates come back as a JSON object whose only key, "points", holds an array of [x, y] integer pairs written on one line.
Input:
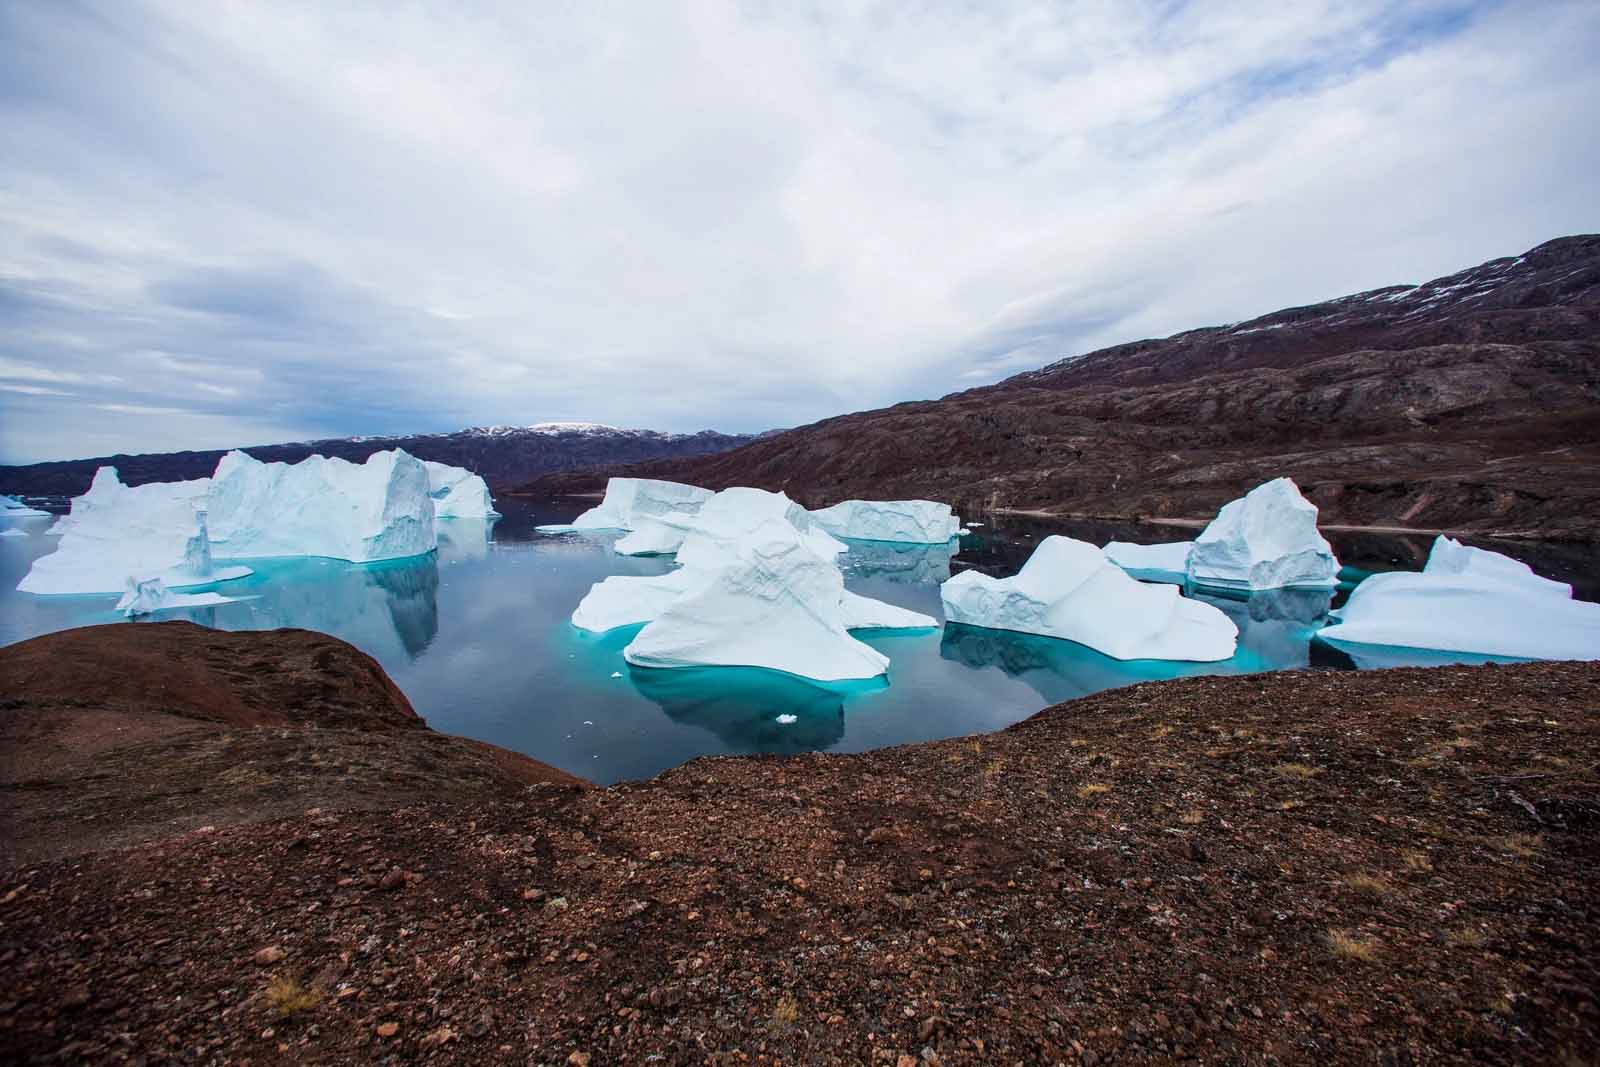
{"points": [[616, 674], [974, 524], [13, 533], [787, 720], [588, 722], [150, 596]]}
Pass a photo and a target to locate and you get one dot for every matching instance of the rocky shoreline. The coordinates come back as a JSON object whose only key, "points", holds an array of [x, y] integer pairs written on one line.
{"points": [[1385, 867]]}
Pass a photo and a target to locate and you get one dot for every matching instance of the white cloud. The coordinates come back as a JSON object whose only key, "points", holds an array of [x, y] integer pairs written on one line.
{"points": [[363, 217]]}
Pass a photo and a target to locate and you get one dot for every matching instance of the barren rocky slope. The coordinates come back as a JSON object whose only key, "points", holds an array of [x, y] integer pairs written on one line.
{"points": [[1386, 868], [1469, 403]]}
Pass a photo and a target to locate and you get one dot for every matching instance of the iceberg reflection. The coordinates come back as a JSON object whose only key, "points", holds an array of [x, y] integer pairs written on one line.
{"points": [[464, 539], [741, 705], [899, 561], [1275, 625]]}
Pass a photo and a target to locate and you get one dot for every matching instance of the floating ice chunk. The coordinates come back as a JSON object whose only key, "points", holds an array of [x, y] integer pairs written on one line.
{"points": [[12, 508], [1167, 562], [1068, 589], [380, 509], [151, 595], [1473, 601], [616, 674], [146, 531], [864, 613], [1267, 539], [773, 603], [458, 493], [787, 719], [13, 533], [628, 500], [917, 521]]}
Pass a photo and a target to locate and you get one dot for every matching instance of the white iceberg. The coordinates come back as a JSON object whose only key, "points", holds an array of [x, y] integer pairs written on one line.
{"points": [[151, 595], [13, 533], [1167, 562], [380, 509], [731, 516], [458, 493], [916, 521], [12, 508], [116, 531], [630, 500], [773, 603], [1267, 539], [1471, 601], [1069, 590]]}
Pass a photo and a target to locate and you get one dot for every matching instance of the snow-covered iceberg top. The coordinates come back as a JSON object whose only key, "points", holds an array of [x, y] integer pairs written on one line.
{"points": [[12, 508], [380, 509], [1267, 539], [458, 493], [116, 532], [1068, 589], [1167, 562], [1469, 600], [151, 596], [630, 500], [916, 521]]}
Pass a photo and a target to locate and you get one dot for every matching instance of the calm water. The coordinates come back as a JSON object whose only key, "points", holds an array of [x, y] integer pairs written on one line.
{"points": [[478, 637]]}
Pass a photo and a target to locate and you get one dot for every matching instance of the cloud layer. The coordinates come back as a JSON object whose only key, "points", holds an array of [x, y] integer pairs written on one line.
{"points": [[235, 223]]}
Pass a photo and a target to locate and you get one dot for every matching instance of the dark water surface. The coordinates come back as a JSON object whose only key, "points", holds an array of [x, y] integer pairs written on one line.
{"points": [[478, 636]]}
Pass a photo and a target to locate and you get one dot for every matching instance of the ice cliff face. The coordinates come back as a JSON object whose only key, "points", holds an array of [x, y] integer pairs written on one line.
{"points": [[458, 493], [114, 533], [628, 501], [1266, 539], [1167, 562], [380, 509], [1068, 589], [1473, 601], [916, 521]]}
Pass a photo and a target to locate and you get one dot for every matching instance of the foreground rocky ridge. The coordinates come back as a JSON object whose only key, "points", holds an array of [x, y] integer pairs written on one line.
{"points": [[1389, 867], [1470, 403]]}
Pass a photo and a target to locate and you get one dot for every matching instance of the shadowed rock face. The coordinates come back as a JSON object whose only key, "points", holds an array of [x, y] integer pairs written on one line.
{"points": [[1471, 402]]}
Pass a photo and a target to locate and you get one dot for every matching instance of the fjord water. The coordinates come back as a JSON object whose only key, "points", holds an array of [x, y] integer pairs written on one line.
{"points": [[479, 638]]}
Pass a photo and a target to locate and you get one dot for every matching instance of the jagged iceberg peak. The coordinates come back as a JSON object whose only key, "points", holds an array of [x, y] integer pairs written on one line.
{"points": [[1068, 589], [734, 515], [1267, 539], [116, 532], [914, 521], [774, 602], [458, 493], [151, 595], [1469, 600], [380, 509]]}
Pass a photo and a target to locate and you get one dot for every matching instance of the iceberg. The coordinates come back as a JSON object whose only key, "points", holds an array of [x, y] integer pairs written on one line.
{"points": [[458, 493], [151, 595], [13, 532], [629, 500], [725, 520], [773, 603], [1470, 601], [1167, 562], [12, 508], [1267, 539], [115, 532], [1069, 590], [380, 509], [915, 521]]}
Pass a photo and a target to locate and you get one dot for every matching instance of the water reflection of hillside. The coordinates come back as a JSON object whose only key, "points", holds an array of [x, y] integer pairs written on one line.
{"points": [[741, 705]]}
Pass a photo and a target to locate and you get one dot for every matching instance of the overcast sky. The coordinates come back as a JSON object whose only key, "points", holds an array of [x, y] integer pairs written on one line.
{"points": [[237, 223]]}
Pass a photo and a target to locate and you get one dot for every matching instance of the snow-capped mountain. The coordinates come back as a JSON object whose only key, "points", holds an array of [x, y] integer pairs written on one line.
{"points": [[504, 455]]}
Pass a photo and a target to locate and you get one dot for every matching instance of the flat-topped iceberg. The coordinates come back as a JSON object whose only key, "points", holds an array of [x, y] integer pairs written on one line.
{"points": [[1469, 601], [12, 508], [773, 603], [1267, 539], [380, 509], [116, 532], [1167, 562], [1068, 589], [630, 500], [151, 596], [915, 521], [458, 493]]}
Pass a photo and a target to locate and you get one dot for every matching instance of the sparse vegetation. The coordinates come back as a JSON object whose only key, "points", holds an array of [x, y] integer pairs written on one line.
{"points": [[1467, 937], [1352, 946], [1301, 771], [1525, 846], [1368, 884], [1416, 861], [288, 996], [1193, 817], [785, 1013], [1092, 789]]}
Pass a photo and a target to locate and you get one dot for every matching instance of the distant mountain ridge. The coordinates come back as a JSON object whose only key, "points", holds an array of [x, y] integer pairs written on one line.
{"points": [[1470, 402], [504, 455]]}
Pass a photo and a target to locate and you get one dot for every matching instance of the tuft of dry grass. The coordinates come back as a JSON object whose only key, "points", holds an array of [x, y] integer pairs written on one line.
{"points": [[1302, 771], [1351, 946], [1369, 884], [1416, 861], [1467, 937], [786, 1012], [1291, 805], [1193, 817], [1092, 789], [1160, 731], [287, 996], [993, 768], [1525, 846]]}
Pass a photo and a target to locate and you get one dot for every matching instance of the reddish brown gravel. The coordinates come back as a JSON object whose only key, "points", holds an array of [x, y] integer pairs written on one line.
{"points": [[1394, 867]]}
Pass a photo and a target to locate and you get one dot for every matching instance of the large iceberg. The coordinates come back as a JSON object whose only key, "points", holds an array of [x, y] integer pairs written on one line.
{"points": [[458, 493], [630, 500], [1473, 601], [916, 521], [1068, 589], [1267, 539], [1167, 562], [12, 508], [380, 509], [116, 532]]}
